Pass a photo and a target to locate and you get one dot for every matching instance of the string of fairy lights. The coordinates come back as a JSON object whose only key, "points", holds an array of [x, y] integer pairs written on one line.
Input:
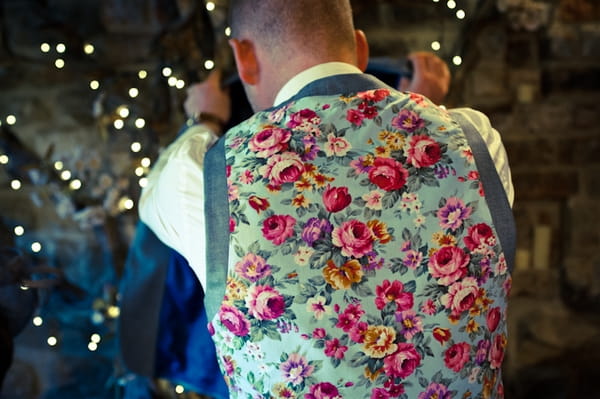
{"points": [[122, 118]]}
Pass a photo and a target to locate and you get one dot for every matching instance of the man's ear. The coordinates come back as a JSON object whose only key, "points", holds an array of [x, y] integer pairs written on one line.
{"points": [[362, 50], [246, 61]]}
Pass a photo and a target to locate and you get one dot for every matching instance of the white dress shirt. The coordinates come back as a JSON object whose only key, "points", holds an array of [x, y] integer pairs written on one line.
{"points": [[172, 203]]}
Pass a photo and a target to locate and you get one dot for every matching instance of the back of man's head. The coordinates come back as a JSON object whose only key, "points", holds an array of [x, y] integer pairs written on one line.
{"points": [[319, 28]]}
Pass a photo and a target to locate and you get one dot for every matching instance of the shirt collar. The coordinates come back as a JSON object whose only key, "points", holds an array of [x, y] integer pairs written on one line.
{"points": [[295, 84]]}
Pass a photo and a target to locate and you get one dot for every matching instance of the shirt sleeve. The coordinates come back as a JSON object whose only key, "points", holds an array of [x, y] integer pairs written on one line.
{"points": [[493, 141], [172, 203]]}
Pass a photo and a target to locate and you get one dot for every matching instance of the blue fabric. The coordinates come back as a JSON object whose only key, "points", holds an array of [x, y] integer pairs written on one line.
{"points": [[185, 353]]}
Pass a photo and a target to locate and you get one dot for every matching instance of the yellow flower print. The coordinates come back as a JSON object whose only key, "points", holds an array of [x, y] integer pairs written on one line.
{"points": [[282, 391], [380, 231], [371, 375], [303, 184], [395, 141], [443, 240], [236, 290], [341, 278], [383, 151], [300, 201], [379, 341], [472, 326]]}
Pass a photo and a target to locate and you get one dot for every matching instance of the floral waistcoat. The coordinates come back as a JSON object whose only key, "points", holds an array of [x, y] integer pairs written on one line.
{"points": [[363, 261]]}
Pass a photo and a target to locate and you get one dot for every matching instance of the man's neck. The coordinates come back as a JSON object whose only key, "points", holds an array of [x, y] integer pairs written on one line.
{"points": [[311, 74]]}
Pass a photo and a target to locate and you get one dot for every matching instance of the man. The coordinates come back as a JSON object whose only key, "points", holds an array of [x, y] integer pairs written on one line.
{"points": [[352, 251]]}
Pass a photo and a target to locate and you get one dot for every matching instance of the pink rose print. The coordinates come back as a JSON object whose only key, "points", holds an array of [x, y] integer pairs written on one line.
{"points": [[408, 120], [283, 168], [393, 292], [336, 146], [334, 349], [403, 362], [449, 264], [278, 228], [348, 319], [234, 320], [493, 318], [497, 351], [358, 331], [388, 174], [354, 238], [478, 235], [355, 117], [323, 390], [453, 213], [456, 356], [258, 204], [461, 296], [231, 225], [252, 267], [374, 95], [442, 335], [423, 151], [380, 393], [265, 303], [336, 199], [305, 120], [270, 141]]}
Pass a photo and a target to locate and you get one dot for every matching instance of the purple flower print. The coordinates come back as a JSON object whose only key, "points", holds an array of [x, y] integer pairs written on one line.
{"points": [[437, 391], [314, 229], [295, 369], [453, 214], [408, 120]]}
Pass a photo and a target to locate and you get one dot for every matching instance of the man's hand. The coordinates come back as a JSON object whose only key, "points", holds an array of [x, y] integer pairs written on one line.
{"points": [[431, 76], [209, 98]]}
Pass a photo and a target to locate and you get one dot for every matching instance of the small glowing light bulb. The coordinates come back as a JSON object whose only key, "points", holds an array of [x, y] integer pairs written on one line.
{"points": [[15, 184], [142, 74], [140, 123], [228, 31], [143, 182], [19, 230], [457, 60], [451, 4], [136, 146], [88, 48], [118, 124], [145, 162], [3, 159], [209, 64], [36, 246], [179, 389], [180, 84], [123, 111], [460, 14], [166, 71], [139, 171], [59, 63], [45, 47], [11, 119], [133, 92], [52, 341], [37, 321], [58, 165], [95, 338], [65, 175], [94, 85], [75, 185], [435, 45], [210, 6], [92, 346], [61, 48], [172, 81]]}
